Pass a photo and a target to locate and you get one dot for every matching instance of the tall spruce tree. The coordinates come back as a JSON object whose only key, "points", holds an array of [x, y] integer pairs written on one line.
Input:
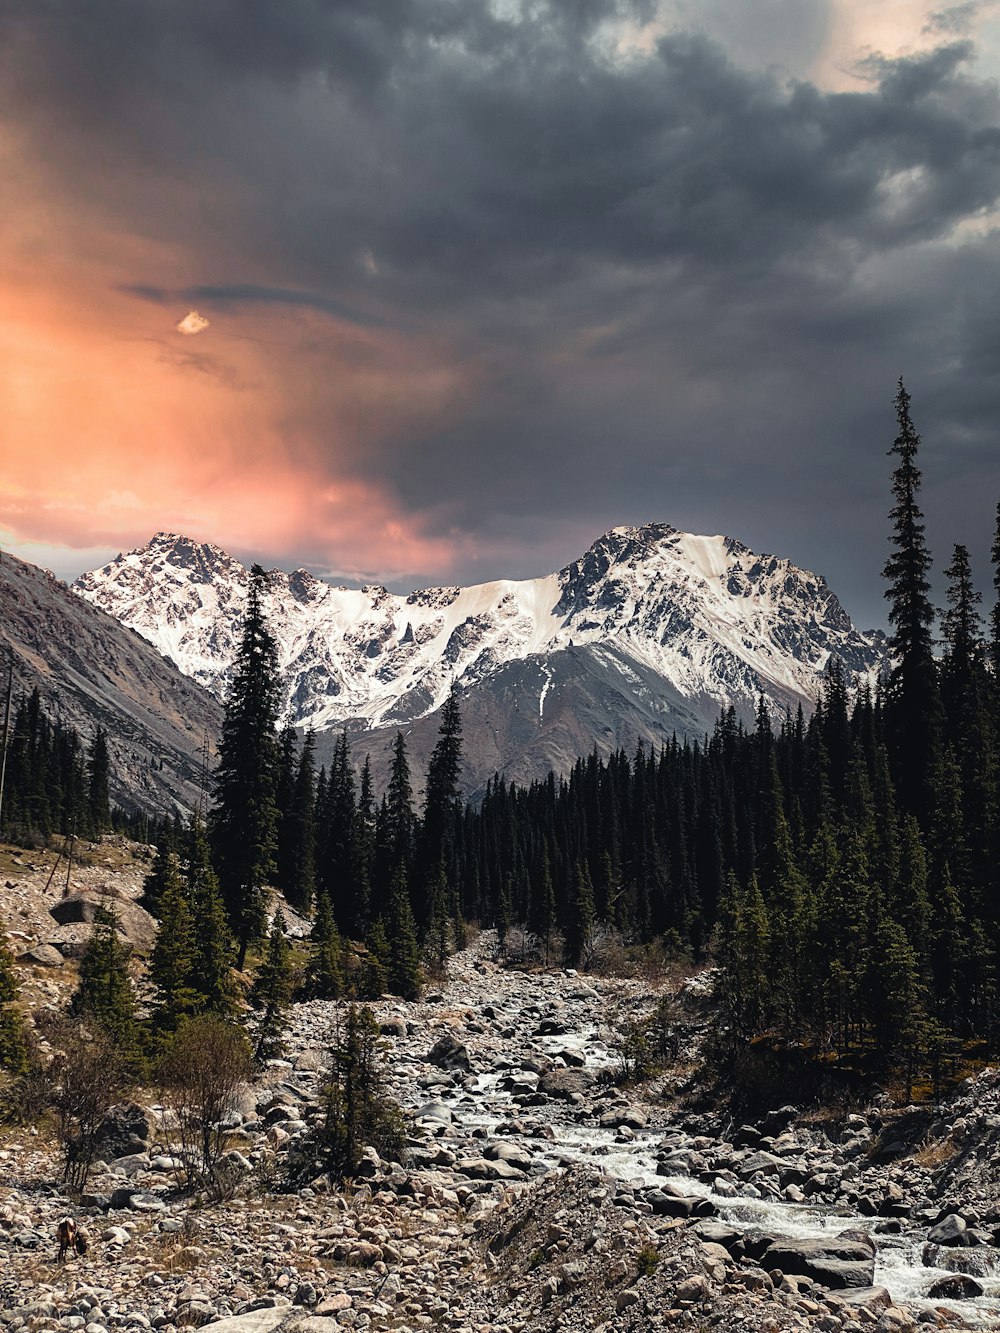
{"points": [[437, 840], [404, 952], [214, 951], [244, 817], [271, 993], [297, 838], [397, 823], [98, 780], [172, 963], [104, 993], [912, 703], [325, 969]]}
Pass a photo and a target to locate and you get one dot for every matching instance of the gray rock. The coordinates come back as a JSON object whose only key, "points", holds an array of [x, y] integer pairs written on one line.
{"points": [[254, 1321], [44, 955], [764, 1162], [478, 1168], [629, 1117], [841, 1261], [951, 1230], [872, 1298], [957, 1287], [134, 922], [566, 1084], [449, 1053]]}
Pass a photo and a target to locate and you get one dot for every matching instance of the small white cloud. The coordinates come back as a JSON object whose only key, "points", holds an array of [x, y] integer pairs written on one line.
{"points": [[192, 323], [369, 262]]}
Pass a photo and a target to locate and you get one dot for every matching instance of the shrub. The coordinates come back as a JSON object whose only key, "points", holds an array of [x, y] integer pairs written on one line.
{"points": [[203, 1065]]}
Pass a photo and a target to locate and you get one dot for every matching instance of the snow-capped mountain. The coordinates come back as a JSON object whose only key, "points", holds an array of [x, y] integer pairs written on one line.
{"points": [[675, 626]]}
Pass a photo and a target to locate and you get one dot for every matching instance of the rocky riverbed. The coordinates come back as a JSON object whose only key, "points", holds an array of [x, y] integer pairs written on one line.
{"points": [[535, 1196]]}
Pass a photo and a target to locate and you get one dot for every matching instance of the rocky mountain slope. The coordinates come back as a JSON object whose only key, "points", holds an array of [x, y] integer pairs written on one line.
{"points": [[93, 671], [650, 633]]}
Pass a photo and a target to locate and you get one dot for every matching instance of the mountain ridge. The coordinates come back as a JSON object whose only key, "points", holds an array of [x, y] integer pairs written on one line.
{"points": [[92, 671], [702, 622]]}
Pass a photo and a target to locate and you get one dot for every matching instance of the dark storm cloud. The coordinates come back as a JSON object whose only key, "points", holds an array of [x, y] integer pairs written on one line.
{"points": [[683, 289]]}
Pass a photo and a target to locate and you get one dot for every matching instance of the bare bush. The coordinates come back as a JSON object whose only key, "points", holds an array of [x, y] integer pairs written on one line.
{"points": [[87, 1077], [200, 1074]]}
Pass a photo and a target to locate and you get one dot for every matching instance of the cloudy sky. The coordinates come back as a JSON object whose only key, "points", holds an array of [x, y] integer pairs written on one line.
{"points": [[439, 290]]}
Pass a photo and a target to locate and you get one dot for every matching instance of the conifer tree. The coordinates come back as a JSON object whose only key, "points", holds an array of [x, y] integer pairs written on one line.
{"points": [[912, 705], [244, 816], [271, 993], [542, 922], [172, 963], [325, 972], [439, 924], [373, 981], [358, 1113], [899, 1012], [502, 914], [213, 956], [579, 927], [300, 830], [339, 859], [365, 847], [104, 993], [161, 873], [398, 822], [404, 952], [966, 691], [437, 828], [98, 779]]}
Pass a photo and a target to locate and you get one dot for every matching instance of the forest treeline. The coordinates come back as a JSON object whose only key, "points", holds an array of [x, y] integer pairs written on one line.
{"points": [[52, 781]]}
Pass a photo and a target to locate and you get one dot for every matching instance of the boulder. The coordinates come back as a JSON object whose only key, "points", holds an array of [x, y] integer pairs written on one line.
{"points": [[254, 1321], [672, 1205], [841, 1261], [957, 1287], [719, 1233], [951, 1230], [449, 1053], [478, 1168], [776, 1121], [565, 1084], [43, 955], [627, 1117], [134, 922], [871, 1298], [764, 1162], [126, 1129]]}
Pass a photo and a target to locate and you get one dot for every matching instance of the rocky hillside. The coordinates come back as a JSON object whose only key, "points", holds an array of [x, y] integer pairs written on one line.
{"points": [[92, 671], [648, 634]]}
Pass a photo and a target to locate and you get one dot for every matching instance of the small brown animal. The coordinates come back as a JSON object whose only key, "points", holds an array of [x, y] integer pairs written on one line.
{"points": [[66, 1235]]}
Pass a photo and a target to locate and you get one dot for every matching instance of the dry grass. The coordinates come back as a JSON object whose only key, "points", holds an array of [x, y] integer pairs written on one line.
{"points": [[934, 1153]]}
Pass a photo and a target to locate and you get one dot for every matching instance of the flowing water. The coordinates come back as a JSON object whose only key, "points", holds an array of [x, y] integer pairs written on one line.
{"points": [[900, 1264]]}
